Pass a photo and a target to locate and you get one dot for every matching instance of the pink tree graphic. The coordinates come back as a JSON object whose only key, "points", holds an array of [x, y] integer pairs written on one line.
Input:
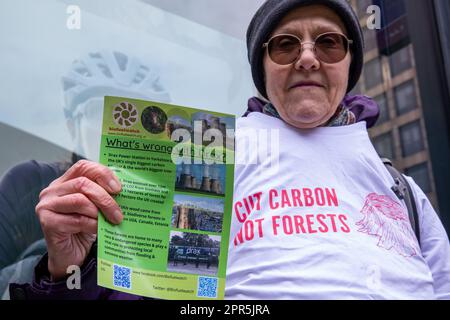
{"points": [[387, 220]]}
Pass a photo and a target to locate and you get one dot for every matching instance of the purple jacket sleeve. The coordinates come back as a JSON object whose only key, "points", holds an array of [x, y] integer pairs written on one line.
{"points": [[434, 243], [42, 288]]}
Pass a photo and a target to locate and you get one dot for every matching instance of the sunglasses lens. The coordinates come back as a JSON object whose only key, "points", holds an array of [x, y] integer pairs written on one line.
{"points": [[331, 48], [284, 49]]}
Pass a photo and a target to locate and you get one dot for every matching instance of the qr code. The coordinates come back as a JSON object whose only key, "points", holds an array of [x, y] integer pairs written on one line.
{"points": [[207, 287], [122, 277]]}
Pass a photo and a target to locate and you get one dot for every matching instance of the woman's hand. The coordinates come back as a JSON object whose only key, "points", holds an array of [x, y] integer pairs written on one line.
{"points": [[68, 212]]}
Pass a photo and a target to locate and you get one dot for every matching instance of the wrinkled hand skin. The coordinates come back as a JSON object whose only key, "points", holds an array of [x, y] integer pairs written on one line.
{"points": [[68, 212]]}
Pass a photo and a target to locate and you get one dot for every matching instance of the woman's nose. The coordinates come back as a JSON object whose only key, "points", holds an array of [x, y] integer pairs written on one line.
{"points": [[307, 59]]}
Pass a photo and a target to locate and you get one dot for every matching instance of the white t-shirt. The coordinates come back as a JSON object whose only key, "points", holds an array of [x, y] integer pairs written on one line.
{"points": [[321, 222]]}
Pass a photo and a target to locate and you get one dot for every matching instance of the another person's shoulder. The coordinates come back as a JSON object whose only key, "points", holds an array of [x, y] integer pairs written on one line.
{"points": [[32, 173]]}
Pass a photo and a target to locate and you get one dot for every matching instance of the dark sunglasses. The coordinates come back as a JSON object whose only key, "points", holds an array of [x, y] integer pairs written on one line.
{"points": [[330, 47]]}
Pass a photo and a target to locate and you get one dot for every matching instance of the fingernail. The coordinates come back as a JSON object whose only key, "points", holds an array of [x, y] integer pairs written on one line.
{"points": [[118, 216], [114, 185]]}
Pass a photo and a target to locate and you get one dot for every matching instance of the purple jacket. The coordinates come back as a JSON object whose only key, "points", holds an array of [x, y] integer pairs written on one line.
{"points": [[42, 288]]}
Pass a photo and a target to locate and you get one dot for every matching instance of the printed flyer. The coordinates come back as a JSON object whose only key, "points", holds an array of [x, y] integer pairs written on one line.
{"points": [[176, 166]]}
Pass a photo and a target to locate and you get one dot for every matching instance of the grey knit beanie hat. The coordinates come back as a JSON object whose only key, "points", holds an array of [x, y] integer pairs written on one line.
{"points": [[272, 12]]}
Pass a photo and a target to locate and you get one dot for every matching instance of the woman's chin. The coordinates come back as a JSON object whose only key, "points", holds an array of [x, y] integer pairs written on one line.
{"points": [[304, 122], [306, 115]]}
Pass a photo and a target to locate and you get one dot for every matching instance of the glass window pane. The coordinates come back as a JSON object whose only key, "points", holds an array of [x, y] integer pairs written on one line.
{"points": [[155, 55], [421, 176], [362, 6], [384, 146], [384, 110], [372, 73], [411, 138], [370, 38], [405, 97], [400, 61], [357, 89]]}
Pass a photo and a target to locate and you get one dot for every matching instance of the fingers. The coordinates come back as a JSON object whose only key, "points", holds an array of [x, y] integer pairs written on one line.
{"points": [[96, 172], [67, 223], [95, 193], [71, 203], [84, 189]]}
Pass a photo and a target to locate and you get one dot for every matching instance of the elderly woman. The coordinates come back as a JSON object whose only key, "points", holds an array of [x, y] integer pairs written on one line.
{"points": [[317, 218]]}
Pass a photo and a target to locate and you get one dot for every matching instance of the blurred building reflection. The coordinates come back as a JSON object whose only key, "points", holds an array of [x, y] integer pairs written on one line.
{"points": [[394, 75]]}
